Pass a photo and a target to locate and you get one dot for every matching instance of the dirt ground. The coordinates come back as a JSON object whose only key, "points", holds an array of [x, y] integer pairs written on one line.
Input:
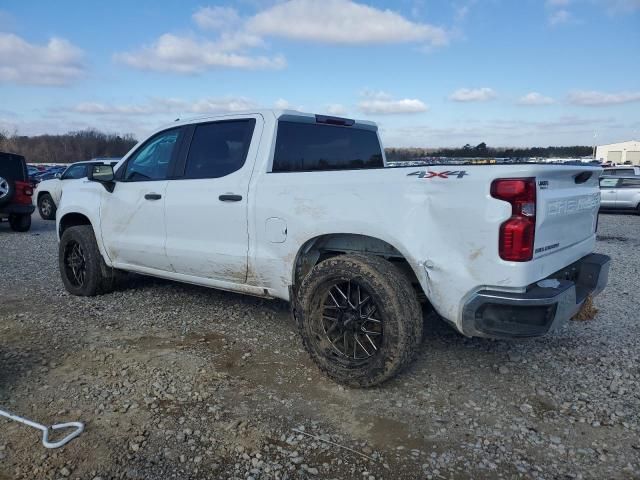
{"points": [[177, 381]]}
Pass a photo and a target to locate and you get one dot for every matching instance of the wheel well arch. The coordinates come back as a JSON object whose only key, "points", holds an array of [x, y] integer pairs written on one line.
{"points": [[72, 220], [325, 246]]}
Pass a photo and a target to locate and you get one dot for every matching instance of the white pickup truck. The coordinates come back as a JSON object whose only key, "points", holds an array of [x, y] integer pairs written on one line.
{"points": [[302, 207]]}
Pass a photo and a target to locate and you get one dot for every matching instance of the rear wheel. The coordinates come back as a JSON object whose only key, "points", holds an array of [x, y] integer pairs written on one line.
{"points": [[46, 207], [359, 319], [20, 223], [82, 268]]}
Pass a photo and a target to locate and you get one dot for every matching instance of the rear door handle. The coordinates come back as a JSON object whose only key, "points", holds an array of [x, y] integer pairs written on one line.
{"points": [[153, 196], [230, 198]]}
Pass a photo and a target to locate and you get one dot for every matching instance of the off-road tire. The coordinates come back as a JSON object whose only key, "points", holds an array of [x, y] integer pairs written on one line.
{"points": [[396, 302], [99, 278], [7, 191], [20, 223], [43, 200]]}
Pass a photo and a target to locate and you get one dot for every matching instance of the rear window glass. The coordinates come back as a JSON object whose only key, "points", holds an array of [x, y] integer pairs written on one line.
{"points": [[12, 167], [311, 147], [630, 183]]}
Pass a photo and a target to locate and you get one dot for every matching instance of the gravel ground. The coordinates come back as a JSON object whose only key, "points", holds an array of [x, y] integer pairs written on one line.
{"points": [[176, 381]]}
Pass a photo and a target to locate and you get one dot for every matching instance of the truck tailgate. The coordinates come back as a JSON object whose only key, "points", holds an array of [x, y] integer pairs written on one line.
{"points": [[567, 208]]}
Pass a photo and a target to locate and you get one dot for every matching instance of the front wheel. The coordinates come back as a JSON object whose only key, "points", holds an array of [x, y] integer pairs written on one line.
{"points": [[20, 223], [359, 319], [46, 207], [82, 268]]}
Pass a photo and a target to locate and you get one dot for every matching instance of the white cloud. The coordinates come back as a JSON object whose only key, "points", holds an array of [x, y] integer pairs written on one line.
{"points": [[621, 6], [595, 99], [342, 22], [58, 62], [282, 104], [336, 109], [330, 21], [557, 3], [168, 106], [559, 17], [215, 18], [171, 53], [565, 130], [535, 98], [472, 94], [381, 103]]}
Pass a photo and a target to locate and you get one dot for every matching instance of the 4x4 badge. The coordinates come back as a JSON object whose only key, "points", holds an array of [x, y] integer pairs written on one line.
{"points": [[445, 174]]}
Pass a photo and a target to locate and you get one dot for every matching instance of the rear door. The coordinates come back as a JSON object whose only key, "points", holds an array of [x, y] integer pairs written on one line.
{"points": [[627, 196], [207, 205], [568, 199], [132, 216], [608, 192]]}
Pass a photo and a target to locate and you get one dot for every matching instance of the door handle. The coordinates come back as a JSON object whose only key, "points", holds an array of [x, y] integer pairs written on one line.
{"points": [[153, 196], [230, 198]]}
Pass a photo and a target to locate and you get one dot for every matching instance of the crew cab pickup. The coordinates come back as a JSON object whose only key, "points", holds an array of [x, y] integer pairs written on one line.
{"points": [[303, 207]]}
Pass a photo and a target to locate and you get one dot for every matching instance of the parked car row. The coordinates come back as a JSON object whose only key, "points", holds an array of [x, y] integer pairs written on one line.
{"points": [[37, 173]]}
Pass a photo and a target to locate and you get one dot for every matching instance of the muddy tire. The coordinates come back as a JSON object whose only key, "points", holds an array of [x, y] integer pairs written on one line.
{"points": [[82, 268], [20, 223], [46, 207], [359, 319]]}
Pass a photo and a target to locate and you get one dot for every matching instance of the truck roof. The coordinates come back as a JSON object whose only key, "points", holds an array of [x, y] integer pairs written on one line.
{"points": [[277, 113]]}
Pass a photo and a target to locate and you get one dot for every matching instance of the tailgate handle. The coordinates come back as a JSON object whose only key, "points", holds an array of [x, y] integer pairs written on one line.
{"points": [[582, 177]]}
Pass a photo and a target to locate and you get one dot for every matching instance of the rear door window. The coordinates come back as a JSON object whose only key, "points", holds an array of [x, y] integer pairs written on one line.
{"points": [[218, 149], [305, 147], [630, 183]]}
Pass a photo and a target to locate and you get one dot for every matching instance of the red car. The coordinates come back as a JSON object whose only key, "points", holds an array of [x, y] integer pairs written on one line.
{"points": [[15, 192]]}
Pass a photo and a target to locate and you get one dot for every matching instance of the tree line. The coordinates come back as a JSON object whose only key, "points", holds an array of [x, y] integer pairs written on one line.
{"points": [[68, 148], [86, 144], [483, 151]]}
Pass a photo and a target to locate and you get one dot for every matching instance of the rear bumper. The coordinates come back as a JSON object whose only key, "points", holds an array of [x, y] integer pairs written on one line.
{"points": [[17, 208], [545, 305]]}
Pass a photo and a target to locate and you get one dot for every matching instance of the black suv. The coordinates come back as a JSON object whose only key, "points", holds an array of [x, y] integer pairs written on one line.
{"points": [[15, 192]]}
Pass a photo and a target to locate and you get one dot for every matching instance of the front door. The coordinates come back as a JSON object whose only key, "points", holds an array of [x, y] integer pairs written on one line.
{"points": [[132, 216], [206, 206]]}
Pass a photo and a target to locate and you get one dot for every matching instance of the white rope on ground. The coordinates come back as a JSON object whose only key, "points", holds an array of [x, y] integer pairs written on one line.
{"points": [[79, 427]]}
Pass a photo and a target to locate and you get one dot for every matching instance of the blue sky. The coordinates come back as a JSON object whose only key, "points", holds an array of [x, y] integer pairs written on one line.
{"points": [[431, 73]]}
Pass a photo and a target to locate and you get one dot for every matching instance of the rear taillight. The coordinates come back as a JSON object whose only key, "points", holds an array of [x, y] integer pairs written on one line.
{"points": [[518, 233], [23, 194]]}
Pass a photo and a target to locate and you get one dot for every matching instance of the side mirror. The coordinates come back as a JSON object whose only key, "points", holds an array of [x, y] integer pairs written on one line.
{"points": [[102, 174], [58, 175]]}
